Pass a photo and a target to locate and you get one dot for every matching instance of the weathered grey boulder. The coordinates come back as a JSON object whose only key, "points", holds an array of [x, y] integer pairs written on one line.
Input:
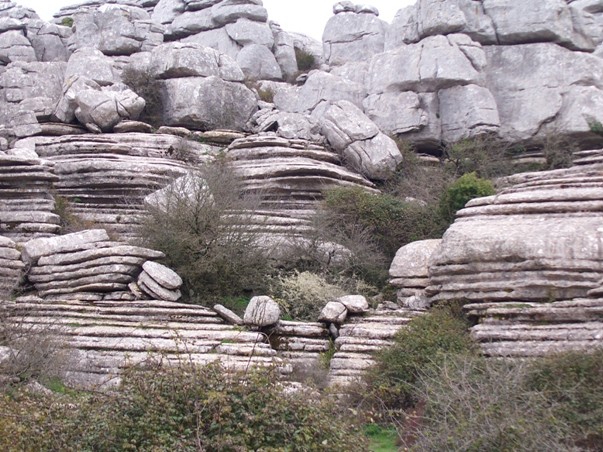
{"points": [[163, 275], [101, 110], [396, 113], [412, 260], [355, 304], [18, 122], [217, 39], [229, 11], [467, 111], [519, 22], [192, 22], [205, 103], [320, 88], [434, 63], [66, 106], [47, 41], [333, 312], [535, 97], [258, 63], [152, 288], [287, 125], [284, 51], [354, 135], [116, 30], [245, 32], [228, 315], [11, 266], [36, 86], [262, 311], [349, 36], [37, 248], [14, 46], [166, 11], [91, 63], [175, 60]]}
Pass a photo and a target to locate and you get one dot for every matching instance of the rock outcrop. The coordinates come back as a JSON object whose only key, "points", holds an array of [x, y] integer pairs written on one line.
{"points": [[11, 266]]}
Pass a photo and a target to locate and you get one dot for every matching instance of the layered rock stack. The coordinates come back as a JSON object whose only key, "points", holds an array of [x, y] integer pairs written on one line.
{"points": [[527, 259], [106, 337], [360, 337], [84, 266], [104, 178], [11, 266], [159, 282], [26, 205], [409, 273]]}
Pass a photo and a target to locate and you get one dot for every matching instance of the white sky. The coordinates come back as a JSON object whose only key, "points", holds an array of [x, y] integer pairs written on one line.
{"points": [[304, 16]]}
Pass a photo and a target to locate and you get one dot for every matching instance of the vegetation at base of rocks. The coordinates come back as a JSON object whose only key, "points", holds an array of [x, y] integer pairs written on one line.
{"points": [[461, 191], [143, 83], [302, 295], [558, 152], [392, 384], [266, 95], [203, 225], [33, 352], [595, 126], [183, 408], [305, 60], [67, 21]]}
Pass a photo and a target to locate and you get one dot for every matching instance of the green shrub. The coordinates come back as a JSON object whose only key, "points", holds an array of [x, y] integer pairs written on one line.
{"points": [[67, 21], [266, 95], [204, 225], [186, 409], [428, 340], [392, 222], [303, 295], [305, 60], [485, 155], [143, 83], [461, 191], [558, 152]]}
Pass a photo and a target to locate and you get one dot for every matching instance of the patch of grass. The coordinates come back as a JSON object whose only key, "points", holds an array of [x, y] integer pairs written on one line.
{"points": [[67, 21], [382, 439], [305, 60]]}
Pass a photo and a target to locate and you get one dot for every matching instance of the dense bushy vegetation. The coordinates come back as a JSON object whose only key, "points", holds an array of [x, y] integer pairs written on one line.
{"points": [[184, 408], [201, 222]]}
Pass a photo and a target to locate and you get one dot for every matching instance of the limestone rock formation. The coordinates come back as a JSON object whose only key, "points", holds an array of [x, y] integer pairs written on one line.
{"points": [[11, 266], [354, 33], [26, 205], [261, 312], [159, 282], [409, 272]]}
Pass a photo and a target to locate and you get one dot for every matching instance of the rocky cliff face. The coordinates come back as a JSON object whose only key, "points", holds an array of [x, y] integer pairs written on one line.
{"points": [[115, 100]]}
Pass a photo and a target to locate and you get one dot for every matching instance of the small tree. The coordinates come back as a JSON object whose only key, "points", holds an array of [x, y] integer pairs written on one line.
{"points": [[204, 224]]}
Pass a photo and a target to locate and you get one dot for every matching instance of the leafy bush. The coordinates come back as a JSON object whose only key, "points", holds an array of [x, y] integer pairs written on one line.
{"points": [[428, 340], [143, 83], [461, 191], [203, 223], [558, 152], [305, 60], [391, 222], [67, 21], [186, 409], [485, 155], [303, 295]]}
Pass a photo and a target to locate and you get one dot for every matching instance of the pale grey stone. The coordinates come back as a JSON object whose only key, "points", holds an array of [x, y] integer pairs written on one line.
{"points": [[412, 260], [21, 81], [216, 39], [46, 40], [353, 37], [91, 63], [258, 63], [167, 10], [14, 46], [190, 23], [333, 312], [162, 275], [245, 32], [396, 113], [355, 304], [229, 11], [434, 63], [37, 248], [177, 59], [343, 123], [66, 106], [228, 315], [151, 288], [284, 51], [344, 7], [467, 111], [376, 158], [262, 311], [207, 103]]}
